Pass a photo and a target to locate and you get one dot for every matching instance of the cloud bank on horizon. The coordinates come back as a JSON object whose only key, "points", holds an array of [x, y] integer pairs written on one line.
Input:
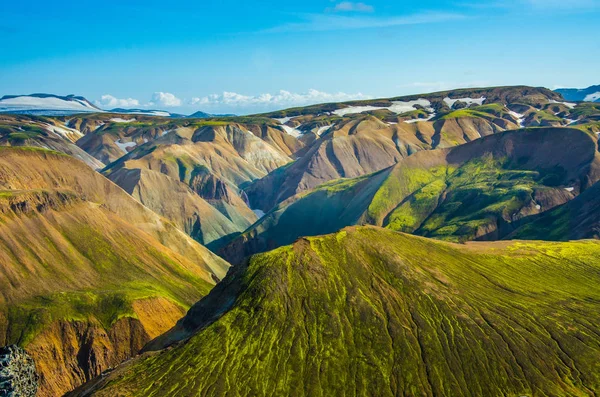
{"points": [[232, 101]]}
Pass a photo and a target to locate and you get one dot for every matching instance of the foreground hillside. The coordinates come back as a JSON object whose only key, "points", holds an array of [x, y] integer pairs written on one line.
{"points": [[87, 274], [369, 311], [480, 190]]}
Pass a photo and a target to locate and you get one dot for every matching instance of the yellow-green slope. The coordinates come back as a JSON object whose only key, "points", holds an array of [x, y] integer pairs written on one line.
{"points": [[369, 311]]}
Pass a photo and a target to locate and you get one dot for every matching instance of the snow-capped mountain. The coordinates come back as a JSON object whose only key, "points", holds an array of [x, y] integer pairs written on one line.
{"points": [[590, 94], [46, 104]]}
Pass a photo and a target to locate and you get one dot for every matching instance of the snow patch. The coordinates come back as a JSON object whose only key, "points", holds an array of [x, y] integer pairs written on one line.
{"points": [[417, 120], [592, 97], [569, 189], [355, 110], [259, 213], [283, 120], [400, 107], [120, 120], [124, 145], [520, 117], [322, 130], [291, 131], [397, 107], [65, 132], [539, 207], [469, 101], [567, 104]]}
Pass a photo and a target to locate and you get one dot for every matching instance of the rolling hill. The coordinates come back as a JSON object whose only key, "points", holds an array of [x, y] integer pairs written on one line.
{"points": [[88, 275], [368, 311]]}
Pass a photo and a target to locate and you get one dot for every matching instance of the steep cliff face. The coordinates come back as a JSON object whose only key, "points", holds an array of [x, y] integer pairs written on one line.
{"points": [[71, 352]]}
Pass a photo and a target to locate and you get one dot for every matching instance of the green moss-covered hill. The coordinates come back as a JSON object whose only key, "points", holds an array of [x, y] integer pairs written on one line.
{"points": [[369, 311], [480, 190]]}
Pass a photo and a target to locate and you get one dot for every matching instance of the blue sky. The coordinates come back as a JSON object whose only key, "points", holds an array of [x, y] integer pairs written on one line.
{"points": [[248, 56]]}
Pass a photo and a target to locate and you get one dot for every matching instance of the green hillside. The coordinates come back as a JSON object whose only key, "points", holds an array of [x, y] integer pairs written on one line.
{"points": [[369, 311]]}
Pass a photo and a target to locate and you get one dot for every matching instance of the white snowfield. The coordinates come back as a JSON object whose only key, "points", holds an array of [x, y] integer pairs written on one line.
{"points": [[569, 189], [124, 145], [27, 102], [468, 101], [567, 104], [592, 97], [418, 120], [259, 213], [397, 107], [291, 131], [324, 129], [64, 131], [283, 120], [120, 120], [520, 117]]}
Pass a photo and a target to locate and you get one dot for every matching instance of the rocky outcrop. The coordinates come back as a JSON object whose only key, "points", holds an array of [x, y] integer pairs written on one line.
{"points": [[18, 377]]}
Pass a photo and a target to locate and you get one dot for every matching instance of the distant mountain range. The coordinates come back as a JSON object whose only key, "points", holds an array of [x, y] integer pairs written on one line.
{"points": [[590, 94], [46, 104], [55, 105]]}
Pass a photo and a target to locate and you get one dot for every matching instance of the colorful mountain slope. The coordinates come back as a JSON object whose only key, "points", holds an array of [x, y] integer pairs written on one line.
{"points": [[369, 311], [45, 133], [87, 274], [472, 191], [346, 140], [29, 169]]}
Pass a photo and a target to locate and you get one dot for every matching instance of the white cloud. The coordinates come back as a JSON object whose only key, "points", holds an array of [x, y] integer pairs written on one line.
{"points": [[328, 21], [164, 99], [109, 101], [273, 101], [346, 6]]}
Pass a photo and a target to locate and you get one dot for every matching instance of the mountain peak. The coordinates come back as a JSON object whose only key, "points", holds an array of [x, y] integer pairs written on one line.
{"points": [[46, 104]]}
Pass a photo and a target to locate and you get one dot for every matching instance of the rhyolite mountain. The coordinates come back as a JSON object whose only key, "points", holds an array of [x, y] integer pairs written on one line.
{"points": [[590, 94], [45, 133], [369, 311], [104, 256], [482, 190], [201, 165], [87, 274], [357, 138]]}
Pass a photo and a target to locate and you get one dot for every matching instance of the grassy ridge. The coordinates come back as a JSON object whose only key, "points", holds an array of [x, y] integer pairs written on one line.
{"points": [[373, 312]]}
